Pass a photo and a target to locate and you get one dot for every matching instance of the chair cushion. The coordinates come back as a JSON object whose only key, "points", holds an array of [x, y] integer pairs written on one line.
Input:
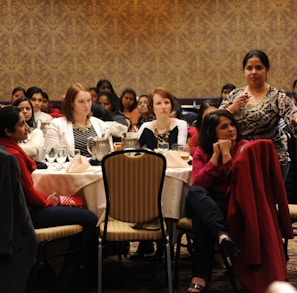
{"points": [[45, 234], [293, 211], [185, 224], [123, 231]]}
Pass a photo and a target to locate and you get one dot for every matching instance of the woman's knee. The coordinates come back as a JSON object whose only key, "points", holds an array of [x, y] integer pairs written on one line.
{"points": [[196, 192]]}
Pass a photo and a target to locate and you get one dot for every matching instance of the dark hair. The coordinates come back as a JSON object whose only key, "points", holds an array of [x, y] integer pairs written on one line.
{"points": [[109, 96], [128, 91], [208, 134], [177, 108], [93, 88], [228, 86], [33, 90], [163, 93], [256, 53], [67, 103], [101, 82], [294, 83], [205, 105], [45, 95], [9, 117], [18, 89], [30, 122]]}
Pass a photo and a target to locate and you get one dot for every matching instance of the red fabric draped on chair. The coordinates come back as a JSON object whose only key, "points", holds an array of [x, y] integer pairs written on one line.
{"points": [[258, 217]]}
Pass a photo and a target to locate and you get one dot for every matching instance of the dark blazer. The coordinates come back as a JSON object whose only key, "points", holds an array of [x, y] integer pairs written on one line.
{"points": [[258, 217], [18, 244]]}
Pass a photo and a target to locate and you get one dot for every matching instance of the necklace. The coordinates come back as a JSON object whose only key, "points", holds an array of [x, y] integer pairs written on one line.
{"points": [[82, 128], [161, 137]]}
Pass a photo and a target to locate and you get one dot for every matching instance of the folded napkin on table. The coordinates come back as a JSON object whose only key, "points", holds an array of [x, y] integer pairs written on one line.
{"points": [[78, 164], [174, 160]]}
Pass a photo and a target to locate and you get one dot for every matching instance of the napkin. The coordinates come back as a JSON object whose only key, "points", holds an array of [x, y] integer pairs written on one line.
{"points": [[174, 160], [78, 164]]}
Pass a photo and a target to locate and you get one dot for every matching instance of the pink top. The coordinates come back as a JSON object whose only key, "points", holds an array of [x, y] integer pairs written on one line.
{"points": [[213, 178]]}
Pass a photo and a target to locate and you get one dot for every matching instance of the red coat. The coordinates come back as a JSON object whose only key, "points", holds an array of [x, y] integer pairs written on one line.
{"points": [[253, 222]]}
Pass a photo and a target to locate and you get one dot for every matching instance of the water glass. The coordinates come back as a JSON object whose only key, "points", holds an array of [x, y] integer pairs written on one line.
{"points": [[50, 155], [174, 146], [163, 147], [61, 155]]}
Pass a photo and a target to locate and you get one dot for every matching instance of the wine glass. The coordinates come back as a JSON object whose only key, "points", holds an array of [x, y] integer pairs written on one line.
{"points": [[61, 155], [163, 147], [51, 155], [184, 151]]}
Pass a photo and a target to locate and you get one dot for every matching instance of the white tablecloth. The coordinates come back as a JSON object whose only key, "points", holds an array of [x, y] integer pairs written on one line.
{"points": [[90, 185]]}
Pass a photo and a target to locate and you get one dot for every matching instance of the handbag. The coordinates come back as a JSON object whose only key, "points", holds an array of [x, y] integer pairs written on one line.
{"points": [[71, 201]]}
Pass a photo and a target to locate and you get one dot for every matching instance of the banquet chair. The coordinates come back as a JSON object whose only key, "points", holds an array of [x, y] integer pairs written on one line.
{"points": [[293, 219], [47, 238], [185, 227], [133, 181]]}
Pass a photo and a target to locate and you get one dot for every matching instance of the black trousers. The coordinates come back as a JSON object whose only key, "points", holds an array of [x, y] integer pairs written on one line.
{"points": [[208, 217]]}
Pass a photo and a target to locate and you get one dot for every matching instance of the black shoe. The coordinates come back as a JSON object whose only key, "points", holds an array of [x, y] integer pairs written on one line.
{"points": [[228, 247], [144, 247]]}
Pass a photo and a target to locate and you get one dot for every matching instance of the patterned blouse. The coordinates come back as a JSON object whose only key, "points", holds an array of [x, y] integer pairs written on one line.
{"points": [[261, 120]]}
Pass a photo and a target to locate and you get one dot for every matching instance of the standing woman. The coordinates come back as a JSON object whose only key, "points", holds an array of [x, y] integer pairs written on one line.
{"points": [[258, 106], [207, 201], [35, 138], [77, 125], [164, 128]]}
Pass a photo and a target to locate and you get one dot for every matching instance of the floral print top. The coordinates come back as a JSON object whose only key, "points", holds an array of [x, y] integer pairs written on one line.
{"points": [[261, 120]]}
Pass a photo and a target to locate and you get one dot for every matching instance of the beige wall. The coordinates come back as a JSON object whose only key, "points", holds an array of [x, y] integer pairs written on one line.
{"points": [[192, 47]]}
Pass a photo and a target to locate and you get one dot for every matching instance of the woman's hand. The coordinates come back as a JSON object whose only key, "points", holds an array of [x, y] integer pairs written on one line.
{"points": [[54, 198], [216, 154], [225, 149], [238, 103], [224, 145], [294, 120]]}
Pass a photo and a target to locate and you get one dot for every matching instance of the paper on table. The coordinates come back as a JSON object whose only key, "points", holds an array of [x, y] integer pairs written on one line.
{"points": [[174, 160], [78, 164]]}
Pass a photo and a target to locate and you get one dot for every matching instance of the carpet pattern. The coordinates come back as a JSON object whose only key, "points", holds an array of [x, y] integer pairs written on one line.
{"points": [[149, 275]]}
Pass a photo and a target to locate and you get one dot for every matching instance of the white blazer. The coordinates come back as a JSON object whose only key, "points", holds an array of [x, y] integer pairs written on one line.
{"points": [[60, 131]]}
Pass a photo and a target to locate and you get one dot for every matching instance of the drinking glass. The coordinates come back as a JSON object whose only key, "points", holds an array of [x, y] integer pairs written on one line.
{"points": [[117, 146], [72, 153], [61, 155], [163, 147], [184, 151], [50, 155], [174, 146]]}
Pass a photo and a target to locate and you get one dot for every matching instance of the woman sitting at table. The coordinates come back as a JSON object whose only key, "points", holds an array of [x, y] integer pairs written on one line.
{"points": [[44, 209], [162, 129], [77, 125], [206, 202], [35, 140]]}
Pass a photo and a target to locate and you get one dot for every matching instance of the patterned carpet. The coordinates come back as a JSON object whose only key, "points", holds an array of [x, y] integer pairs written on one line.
{"points": [[149, 275]]}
